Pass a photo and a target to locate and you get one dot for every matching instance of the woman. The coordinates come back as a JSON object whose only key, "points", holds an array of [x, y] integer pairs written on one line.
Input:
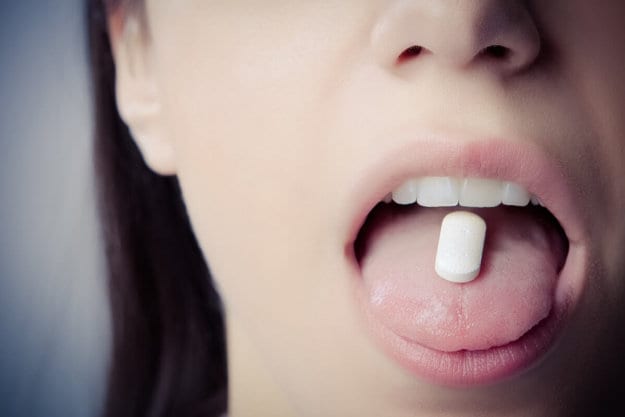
{"points": [[287, 128]]}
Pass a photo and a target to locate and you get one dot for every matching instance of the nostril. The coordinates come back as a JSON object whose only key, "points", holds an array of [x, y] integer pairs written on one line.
{"points": [[409, 53], [496, 51]]}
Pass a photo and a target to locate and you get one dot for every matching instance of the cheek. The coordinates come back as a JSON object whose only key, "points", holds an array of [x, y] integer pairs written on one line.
{"points": [[241, 165], [588, 41], [247, 128]]}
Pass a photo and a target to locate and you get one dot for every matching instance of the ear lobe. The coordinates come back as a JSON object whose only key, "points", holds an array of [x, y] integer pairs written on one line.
{"points": [[137, 94]]}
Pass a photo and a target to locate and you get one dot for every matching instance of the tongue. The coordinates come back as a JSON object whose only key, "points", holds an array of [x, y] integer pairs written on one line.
{"points": [[523, 254]]}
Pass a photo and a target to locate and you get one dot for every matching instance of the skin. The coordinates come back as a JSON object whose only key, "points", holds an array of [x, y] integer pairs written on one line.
{"points": [[271, 112]]}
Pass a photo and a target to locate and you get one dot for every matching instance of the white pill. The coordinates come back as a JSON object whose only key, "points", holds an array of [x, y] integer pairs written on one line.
{"points": [[460, 247]]}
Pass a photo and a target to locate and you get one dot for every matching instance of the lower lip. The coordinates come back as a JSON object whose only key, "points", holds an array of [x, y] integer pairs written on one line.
{"points": [[467, 368]]}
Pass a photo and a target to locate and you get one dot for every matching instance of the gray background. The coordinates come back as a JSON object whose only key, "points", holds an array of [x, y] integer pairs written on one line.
{"points": [[54, 329]]}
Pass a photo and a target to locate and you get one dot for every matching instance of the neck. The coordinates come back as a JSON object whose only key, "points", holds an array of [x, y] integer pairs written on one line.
{"points": [[252, 389]]}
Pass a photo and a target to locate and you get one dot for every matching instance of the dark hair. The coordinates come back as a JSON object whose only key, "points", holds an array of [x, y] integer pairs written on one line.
{"points": [[168, 353]]}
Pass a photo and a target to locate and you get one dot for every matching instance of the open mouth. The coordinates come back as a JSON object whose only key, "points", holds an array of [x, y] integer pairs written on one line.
{"points": [[525, 249], [508, 316]]}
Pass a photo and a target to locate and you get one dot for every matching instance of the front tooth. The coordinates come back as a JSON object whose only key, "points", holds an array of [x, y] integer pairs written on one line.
{"points": [[515, 195], [406, 193], [438, 192], [480, 192]]}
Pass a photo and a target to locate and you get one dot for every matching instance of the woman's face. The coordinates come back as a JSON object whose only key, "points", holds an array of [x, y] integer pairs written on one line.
{"points": [[288, 120]]}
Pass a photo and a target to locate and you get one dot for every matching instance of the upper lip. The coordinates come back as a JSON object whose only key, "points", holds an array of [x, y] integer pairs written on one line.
{"points": [[522, 162]]}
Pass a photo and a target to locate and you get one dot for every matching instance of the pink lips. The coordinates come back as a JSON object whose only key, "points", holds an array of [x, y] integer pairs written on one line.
{"points": [[523, 163]]}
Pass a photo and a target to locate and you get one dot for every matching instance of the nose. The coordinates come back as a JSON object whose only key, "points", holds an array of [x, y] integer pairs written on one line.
{"points": [[498, 34]]}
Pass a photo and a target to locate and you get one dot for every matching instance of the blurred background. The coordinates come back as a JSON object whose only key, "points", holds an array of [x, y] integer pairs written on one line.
{"points": [[54, 329]]}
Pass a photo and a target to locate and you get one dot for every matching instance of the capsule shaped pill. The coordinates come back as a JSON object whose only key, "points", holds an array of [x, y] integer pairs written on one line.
{"points": [[460, 247]]}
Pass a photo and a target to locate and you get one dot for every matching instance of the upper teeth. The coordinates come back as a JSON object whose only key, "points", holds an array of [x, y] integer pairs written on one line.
{"points": [[466, 192]]}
